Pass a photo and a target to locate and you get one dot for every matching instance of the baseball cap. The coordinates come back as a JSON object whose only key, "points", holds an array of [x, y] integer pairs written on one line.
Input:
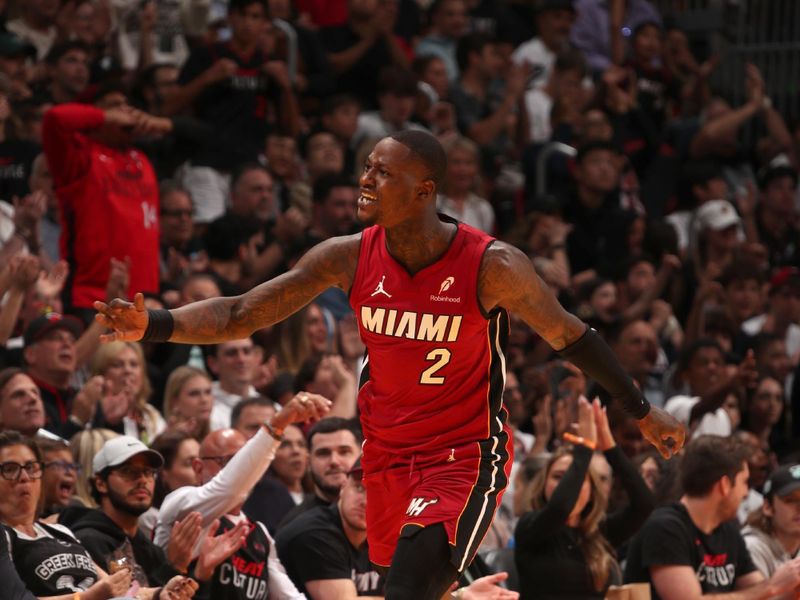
{"points": [[543, 5], [784, 276], [119, 449], [716, 215], [783, 481], [777, 171], [43, 325], [12, 45]]}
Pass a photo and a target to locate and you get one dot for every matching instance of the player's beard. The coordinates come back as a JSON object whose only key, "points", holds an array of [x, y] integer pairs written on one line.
{"points": [[119, 502]]}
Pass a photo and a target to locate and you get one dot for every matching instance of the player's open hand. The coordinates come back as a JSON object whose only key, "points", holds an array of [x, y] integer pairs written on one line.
{"points": [[127, 320], [487, 588], [663, 431]]}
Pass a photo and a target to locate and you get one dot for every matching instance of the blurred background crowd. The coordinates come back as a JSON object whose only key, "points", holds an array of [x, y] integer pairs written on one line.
{"points": [[643, 153]]}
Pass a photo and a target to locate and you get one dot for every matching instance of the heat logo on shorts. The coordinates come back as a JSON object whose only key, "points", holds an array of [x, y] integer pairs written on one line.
{"points": [[417, 505]]}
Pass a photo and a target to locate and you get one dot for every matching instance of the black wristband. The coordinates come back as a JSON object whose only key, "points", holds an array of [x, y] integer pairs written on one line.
{"points": [[160, 326], [592, 355]]}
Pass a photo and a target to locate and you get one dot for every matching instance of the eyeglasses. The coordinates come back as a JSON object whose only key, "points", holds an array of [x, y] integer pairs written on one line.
{"points": [[220, 460], [186, 212], [132, 473], [64, 466], [12, 471]]}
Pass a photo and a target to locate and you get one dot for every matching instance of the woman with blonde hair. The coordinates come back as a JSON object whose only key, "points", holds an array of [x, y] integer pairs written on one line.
{"points": [[127, 409], [459, 199], [564, 547], [302, 335], [84, 445], [188, 401]]}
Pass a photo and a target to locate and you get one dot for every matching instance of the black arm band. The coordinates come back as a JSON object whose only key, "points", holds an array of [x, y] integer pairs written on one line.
{"points": [[160, 326], [592, 355]]}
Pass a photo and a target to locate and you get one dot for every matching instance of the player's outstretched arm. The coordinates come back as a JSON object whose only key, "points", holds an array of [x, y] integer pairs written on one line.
{"points": [[330, 263], [509, 280]]}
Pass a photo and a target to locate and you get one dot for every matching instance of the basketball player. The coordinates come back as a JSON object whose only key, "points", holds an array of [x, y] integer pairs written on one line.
{"points": [[430, 296]]}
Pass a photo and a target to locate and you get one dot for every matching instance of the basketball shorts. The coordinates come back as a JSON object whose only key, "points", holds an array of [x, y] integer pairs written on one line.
{"points": [[458, 487]]}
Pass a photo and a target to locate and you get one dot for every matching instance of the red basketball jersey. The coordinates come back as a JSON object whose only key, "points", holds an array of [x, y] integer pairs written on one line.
{"points": [[435, 367]]}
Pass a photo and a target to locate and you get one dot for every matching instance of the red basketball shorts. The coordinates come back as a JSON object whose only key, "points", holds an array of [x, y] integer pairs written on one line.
{"points": [[458, 487]]}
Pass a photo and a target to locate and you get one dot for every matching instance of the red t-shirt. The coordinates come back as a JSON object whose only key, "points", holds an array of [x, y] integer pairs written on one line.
{"points": [[435, 367], [109, 204]]}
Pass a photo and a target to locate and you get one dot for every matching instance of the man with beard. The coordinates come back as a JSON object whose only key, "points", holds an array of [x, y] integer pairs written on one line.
{"points": [[124, 479], [693, 548], [334, 445]]}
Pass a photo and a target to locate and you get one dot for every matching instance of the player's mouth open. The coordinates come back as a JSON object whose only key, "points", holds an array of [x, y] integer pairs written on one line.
{"points": [[367, 197]]}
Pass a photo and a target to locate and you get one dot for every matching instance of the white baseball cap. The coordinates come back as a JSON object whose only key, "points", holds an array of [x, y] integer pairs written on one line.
{"points": [[716, 215], [119, 449]]}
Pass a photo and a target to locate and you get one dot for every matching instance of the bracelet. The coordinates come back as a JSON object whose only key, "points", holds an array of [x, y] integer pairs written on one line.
{"points": [[576, 439], [160, 325], [271, 431]]}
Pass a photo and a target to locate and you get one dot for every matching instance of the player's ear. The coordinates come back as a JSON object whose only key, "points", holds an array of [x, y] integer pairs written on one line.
{"points": [[426, 190]]}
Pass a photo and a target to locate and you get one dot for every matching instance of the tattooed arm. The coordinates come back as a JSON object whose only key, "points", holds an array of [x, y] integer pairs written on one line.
{"points": [[507, 279], [330, 263]]}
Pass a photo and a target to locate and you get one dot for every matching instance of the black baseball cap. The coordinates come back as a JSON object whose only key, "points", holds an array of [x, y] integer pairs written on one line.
{"points": [[772, 173], [43, 325], [543, 5], [783, 481], [12, 45]]}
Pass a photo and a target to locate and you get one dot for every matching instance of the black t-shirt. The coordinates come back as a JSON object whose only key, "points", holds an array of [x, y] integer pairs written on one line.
{"points": [[670, 537], [53, 564], [362, 78], [16, 157], [239, 108], [13, 587], [314, 547], [245, 575]]}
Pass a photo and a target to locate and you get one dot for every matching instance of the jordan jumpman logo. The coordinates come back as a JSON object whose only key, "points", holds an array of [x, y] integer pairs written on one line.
{"points": [[379, 289]]}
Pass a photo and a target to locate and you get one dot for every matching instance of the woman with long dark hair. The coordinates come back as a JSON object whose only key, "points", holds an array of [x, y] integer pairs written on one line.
{"points": [[565, 544]]}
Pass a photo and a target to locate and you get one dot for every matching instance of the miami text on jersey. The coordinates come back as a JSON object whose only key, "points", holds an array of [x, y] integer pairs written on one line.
{"points": [[424, 327]]}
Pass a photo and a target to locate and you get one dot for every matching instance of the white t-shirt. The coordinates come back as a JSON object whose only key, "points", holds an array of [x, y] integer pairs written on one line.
{"points": [[712, 423], [539, 57], [754, 326], [539, 105]]}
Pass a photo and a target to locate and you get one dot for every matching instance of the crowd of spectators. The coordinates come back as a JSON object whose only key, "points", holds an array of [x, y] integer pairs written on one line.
{"points": [[195, 149]]}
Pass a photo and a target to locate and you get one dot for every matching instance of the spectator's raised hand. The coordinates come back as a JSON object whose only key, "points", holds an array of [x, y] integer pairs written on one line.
{"points": [[754, 85], [86, 400], [148, 16], [118, 278], [488, 588], [122, 117], [25, 272], [302, 408], [746, 372], [128, 320], [586, 426], [182, 540], [50, 283], [217, 549], [28, 211], [290, 225], [147, 125], [115, 403], [517, 80], [605, 441]]}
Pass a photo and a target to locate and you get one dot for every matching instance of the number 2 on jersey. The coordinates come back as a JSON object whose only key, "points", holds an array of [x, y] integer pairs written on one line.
{"points": [[441, 356]]}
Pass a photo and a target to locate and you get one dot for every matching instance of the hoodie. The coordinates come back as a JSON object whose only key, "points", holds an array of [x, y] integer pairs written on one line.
{"points": [[102, 538]]}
